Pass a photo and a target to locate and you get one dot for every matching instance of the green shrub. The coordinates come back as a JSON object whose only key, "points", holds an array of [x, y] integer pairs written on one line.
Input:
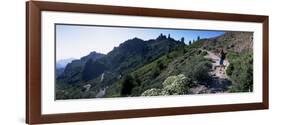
{"points": [[152, 92], [240, 71], [160, 65], [197, 69], [173, 85], [204, 53], [128, 83], [176, 85]]}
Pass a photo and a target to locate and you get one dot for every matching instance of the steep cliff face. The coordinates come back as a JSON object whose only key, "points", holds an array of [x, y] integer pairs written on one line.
{"points": [[127, 57], [73, 70]]}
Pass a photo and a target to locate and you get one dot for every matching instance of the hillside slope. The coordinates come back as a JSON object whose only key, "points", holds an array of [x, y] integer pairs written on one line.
{"points": [[102, 72]]}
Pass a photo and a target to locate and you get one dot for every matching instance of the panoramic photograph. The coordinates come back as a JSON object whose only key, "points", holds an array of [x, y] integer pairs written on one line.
{"points": [[113, 61]]}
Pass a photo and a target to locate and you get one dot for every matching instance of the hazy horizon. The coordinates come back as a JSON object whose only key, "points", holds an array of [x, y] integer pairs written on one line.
{"points": [[76, 41]]}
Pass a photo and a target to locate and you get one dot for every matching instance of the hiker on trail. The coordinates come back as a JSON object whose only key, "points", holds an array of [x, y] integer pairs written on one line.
{"points": [[222, 57]]}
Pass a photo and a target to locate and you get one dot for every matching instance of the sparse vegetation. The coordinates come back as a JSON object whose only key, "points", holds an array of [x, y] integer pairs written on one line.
{"points": [[240, 71]]}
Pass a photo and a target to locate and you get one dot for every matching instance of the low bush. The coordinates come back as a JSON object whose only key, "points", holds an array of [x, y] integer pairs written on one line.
{"points": [[240, 71], [197, 69], [173, 85]]}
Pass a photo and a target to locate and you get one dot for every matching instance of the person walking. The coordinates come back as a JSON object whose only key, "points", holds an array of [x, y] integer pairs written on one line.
{"points": [[222, 58]]}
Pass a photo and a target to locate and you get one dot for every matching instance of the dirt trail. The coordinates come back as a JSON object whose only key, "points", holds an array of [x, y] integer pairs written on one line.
{"points": [[217, 71], [101, 93], [219, 82]]}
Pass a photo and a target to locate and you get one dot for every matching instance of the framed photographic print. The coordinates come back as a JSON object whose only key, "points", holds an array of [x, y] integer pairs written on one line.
{"points": [[94, 62]]}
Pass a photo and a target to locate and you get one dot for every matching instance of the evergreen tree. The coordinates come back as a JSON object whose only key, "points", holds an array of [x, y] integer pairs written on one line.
{"points": [[182, 39], [198, 38], [128, 84]]}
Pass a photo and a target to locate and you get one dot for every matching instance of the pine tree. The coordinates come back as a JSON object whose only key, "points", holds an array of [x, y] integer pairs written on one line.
{"points": [[182, 39], [127, 85]]}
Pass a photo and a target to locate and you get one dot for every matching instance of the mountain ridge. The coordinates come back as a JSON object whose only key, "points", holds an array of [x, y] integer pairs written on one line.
{"points": [[129, 55]]}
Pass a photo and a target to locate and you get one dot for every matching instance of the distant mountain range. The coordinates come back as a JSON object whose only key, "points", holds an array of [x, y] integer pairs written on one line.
{"points": [[63, 62], [137, 65]]}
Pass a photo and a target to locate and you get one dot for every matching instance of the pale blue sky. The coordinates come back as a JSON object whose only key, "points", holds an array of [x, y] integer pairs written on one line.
{"points": [[75, 41]]}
